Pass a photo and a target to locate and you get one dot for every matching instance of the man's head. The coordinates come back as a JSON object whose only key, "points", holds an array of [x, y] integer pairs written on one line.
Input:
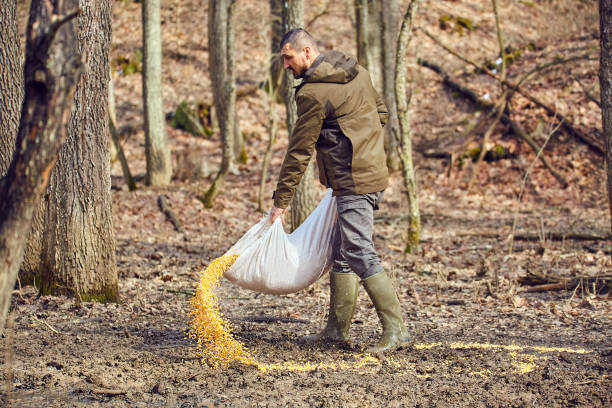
{"points": [[298, 51]]}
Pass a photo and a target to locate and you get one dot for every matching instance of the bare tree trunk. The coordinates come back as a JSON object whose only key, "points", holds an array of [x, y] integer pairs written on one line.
{"points": [[390, 32], [368, 15], [276, 23], [271, 93], [240, 154], [159, 164], [78, 249], [304, 197], [361, 35], [11, 82], [375, 43], [605, 81], [221, 68], [51, 70], [112, 113], [405, 146]]}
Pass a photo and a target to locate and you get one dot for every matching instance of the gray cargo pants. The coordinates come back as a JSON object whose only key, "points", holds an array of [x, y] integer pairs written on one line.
{"points": [[353, 248]]}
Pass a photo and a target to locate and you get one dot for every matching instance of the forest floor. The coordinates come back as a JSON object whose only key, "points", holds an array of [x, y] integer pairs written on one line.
{"points": [[480, 339]]}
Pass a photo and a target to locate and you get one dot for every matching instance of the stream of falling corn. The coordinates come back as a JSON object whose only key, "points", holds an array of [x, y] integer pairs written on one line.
{"points": [[213, 333], [217, 346]]}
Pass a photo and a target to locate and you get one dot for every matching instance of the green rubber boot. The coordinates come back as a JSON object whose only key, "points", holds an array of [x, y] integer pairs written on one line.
{"points": [[383, 295], [342, 301]]}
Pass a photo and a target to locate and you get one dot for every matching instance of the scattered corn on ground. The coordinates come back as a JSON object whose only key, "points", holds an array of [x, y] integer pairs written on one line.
{"points": [[217, 346]]}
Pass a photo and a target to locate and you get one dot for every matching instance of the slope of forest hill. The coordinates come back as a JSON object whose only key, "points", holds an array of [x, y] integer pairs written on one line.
{"points": [[476, 323]]}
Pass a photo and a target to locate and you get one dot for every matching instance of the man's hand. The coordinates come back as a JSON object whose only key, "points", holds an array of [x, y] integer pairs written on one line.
{"points": [[276, 212]]}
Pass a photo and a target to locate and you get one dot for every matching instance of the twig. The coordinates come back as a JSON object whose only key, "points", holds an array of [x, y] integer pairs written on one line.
{"points": [[270, 319], [182, 291], [165, 208], [107, 392], [601, 380], [46, 324], [500, 106], [472, 248], [522, 189], [500, 41], [526, 236], [586, 91]]}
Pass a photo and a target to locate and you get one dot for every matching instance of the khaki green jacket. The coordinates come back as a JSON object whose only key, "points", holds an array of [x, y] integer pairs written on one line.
{"points": [[341, 115]]}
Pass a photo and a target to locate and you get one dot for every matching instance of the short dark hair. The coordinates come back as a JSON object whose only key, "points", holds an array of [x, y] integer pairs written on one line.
{"points": [[298, 37]]}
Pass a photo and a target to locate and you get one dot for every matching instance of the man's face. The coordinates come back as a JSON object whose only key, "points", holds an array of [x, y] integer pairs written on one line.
{"points": [[297, 61]]}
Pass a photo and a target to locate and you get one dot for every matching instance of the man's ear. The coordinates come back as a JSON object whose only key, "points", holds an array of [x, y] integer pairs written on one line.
{"points": [[307, 51]]}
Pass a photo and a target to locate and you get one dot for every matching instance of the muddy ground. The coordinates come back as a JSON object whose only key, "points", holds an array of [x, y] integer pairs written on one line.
{"points": [[479, 338], [473, 346]]}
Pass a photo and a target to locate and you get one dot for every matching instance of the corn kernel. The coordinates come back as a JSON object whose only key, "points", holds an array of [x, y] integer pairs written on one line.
{"points": [[216, 345]]}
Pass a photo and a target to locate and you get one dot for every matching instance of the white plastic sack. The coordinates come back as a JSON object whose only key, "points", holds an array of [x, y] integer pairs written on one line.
{"points": [[272, 261]]}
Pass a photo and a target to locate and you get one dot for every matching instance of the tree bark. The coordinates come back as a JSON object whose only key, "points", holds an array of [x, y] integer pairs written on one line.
{"points": [[375, 43], [78, 243], [11, 82], [368, 14], [605, 82], [390, 29], [361, 35], [405, 145], [240, 154], [303, 201], [52, 68], [223, 79], [112, 114], [276, 23], [159, 164]]}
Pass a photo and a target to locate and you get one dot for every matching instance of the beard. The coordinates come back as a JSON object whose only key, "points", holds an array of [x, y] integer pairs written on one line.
{"points": [[298, 74]]}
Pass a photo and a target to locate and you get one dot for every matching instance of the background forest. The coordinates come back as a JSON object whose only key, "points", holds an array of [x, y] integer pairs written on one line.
{"points": [[504, 280]]}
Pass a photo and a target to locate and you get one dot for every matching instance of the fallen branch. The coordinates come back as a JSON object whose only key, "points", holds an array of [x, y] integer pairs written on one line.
{"points": [[471, 96], [539, 283], [107, 392], [528, 236], [515, 87], [187, 292], [165, 208], [46, 324], [588, 93], [270, 319]]}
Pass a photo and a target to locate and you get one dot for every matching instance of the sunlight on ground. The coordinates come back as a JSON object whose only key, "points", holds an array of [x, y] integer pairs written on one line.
{"points": [[217, 346]]}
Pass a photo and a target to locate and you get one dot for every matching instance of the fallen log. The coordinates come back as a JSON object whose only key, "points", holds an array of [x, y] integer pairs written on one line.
{"points": [[472, 97]]}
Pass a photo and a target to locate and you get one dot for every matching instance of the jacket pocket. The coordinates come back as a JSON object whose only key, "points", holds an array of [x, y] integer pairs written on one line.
{"points": [[336, 152]]}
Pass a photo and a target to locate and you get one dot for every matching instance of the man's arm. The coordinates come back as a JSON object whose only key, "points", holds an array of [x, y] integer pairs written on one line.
{"points": [[383, 112], [301, 147]]}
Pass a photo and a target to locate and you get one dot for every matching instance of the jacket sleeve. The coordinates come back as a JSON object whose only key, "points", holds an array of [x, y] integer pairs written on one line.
{"points": [[383, 112], [301, 147]]}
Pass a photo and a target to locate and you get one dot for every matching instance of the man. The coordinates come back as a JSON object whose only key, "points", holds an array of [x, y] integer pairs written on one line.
{"points": [[341, 115]]}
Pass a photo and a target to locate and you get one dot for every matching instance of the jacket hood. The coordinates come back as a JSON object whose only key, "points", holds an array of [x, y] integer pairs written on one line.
{"points": [[331, 67]]}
